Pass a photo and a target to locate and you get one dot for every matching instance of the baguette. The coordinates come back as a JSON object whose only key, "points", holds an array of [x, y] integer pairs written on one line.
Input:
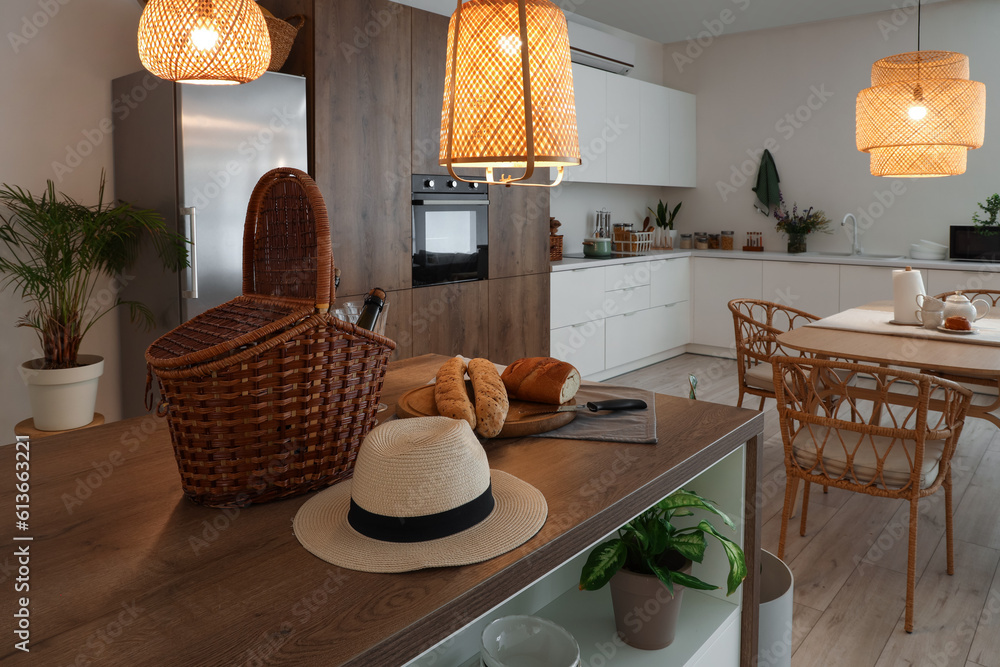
{"points": [[542, 380], [491, 397], [450, 394]]}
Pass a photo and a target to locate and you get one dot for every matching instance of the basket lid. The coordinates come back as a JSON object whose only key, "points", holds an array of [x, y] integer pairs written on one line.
{"points": [[226, 329]]}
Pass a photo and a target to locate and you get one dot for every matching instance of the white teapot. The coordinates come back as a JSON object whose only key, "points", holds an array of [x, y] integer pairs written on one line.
{"points": [[958, 305]]}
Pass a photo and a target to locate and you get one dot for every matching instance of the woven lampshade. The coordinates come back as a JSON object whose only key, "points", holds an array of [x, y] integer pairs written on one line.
{"points": [[921, 114], [204, 41], [495, 117]]}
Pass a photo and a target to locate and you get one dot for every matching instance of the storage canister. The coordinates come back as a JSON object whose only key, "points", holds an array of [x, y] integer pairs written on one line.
{"points": [[726, 241], [685, 243], [713, 241], [701, 242]]}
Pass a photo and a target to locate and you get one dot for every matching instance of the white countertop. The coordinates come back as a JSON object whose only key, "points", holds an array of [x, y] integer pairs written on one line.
{"points": [[815, 258]]}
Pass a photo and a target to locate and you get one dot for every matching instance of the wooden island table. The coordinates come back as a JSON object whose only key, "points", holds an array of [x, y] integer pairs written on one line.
{"points": [[124, 570]]}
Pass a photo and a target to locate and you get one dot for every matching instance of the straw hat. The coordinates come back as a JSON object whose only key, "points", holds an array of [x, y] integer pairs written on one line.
{"points": [[423, 495]]}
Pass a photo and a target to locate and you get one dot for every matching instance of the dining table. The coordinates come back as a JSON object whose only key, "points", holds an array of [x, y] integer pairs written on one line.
{"points": [[868, 334]]}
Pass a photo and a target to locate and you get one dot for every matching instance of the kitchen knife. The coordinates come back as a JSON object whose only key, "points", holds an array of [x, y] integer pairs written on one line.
{"points": [[594, 406]]}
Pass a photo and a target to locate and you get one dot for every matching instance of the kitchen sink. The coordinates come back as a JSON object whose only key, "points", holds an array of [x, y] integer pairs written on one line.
{"points": [[863, 255]]}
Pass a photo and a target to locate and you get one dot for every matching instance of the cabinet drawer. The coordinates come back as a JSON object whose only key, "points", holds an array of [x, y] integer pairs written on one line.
{"points": [[581, 345], [620, 276], [576, 296], [626, 300], [669, 281], [641, 334]]}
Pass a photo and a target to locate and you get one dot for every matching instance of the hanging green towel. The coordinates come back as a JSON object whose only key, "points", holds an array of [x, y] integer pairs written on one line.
{"points": [[767, 184]]}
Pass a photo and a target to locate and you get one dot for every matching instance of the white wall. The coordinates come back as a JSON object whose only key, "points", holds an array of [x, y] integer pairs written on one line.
{"points": [[56, 68], [748, 84]]}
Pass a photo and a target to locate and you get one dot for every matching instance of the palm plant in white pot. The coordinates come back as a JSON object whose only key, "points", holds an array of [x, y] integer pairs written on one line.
{"points": [[55, 251]]}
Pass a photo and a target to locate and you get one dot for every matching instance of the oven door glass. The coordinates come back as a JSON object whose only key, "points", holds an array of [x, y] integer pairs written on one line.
{"points": [[449, 243]]}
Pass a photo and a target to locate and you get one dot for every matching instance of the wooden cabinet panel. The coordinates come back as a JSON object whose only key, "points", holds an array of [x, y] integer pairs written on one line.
{"points": [[519, 317], [581, 345], [670, 281], [814, 288], [451, 319], [519, 229], [428, 49], [577, 296], [361, 113]]}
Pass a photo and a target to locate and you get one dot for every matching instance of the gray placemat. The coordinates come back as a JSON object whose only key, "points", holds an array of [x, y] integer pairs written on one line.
{"points": [[636, 426]]}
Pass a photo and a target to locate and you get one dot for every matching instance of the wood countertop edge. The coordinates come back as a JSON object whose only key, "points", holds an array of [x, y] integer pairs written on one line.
{"points": [[440, 624]]}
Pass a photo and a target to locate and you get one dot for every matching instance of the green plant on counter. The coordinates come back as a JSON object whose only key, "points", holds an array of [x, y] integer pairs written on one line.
{"points": [[663, 215], [990, 226], [648, 543], [57, 248]]}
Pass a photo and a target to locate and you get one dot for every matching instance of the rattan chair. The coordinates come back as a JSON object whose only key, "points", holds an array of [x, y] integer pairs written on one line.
{"points": [[758, 324], [992, 384], [900, 447]]}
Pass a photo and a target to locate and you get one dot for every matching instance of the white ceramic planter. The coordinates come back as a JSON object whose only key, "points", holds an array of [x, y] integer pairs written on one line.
{"points": [[774, 645], [63, 398]]}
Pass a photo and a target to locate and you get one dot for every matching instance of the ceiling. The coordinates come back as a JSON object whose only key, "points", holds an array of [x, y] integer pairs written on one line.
{"points": [[669, 21]]}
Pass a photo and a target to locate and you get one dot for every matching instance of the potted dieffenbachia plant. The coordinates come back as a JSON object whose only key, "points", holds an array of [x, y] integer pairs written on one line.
{"points": [[649, 564], [54, 251]]}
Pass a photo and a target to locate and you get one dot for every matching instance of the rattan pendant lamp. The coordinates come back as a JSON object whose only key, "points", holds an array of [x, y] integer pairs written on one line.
{"points": [[921, 114], [204, 41], [508, 98]]}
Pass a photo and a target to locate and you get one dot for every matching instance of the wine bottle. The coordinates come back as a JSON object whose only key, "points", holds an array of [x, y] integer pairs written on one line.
{"points": [[374, 303]]}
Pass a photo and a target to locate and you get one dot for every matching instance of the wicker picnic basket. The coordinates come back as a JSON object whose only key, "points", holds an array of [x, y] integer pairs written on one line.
{"points": [[268, 395]]}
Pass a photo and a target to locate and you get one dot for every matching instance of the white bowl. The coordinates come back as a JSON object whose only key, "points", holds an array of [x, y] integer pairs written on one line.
{"points": [[931, 246], [931, 256], [526, 641]]}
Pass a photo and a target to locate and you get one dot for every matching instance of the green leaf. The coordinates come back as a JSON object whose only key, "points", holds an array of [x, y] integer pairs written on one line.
{"points": [[658, 538], [663, 574], [684, 498], [737, 559], [688, 581], [602, 564], [690, 545]]}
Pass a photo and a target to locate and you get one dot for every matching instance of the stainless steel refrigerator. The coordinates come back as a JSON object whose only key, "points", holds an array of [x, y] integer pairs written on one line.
{"points": [[193, 153]]}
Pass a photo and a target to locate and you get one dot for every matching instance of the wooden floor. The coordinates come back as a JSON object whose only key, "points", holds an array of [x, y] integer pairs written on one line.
{"points": [[850, 568]]}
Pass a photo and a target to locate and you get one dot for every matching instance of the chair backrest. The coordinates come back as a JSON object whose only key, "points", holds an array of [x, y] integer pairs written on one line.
{"points": [[867, 415], [758, 324], [286, 240], [991, 295]]}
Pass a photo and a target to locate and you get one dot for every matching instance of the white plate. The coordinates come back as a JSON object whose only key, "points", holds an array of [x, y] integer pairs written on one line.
{"points": [[916, 254], [960, 332]]}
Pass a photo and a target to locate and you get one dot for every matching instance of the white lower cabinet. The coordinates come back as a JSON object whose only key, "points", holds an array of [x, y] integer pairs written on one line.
{"points": [[581, 345], [814, 288], [644, 333], [576, 296], [670, 281], [626, 300], [716, 283], [946, 281]]}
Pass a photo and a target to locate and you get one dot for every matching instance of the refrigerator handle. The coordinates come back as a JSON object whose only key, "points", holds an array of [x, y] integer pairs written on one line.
{"points": [[192, 236]]}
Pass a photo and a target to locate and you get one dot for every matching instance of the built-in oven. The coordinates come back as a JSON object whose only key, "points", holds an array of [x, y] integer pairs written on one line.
{"points": [[450, 230]]}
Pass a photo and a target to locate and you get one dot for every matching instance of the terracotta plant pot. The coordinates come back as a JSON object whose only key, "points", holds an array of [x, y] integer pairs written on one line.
{"points": [[645, 614]]}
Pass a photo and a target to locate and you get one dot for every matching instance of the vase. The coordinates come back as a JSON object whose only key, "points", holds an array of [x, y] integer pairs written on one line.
{"points": [[62, 398], [645, 613], [796, 243]]}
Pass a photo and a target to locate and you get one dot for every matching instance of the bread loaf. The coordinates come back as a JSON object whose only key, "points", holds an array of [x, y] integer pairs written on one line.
{"points": [[542, 380], [450, 394], [491, 397]]}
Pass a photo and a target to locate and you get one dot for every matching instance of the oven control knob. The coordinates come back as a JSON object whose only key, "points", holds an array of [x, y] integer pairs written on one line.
{"points": [[474, 186], [452, 184], [429, 183]]}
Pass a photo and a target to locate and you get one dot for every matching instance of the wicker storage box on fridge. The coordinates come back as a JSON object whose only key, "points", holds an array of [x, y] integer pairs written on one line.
{"points": [[268, 395]]}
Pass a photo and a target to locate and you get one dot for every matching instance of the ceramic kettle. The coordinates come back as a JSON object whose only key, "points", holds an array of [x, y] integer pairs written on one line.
{"points": [[958, 305]]}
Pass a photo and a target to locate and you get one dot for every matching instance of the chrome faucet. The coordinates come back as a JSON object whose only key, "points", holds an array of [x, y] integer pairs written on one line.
{"points": [[855, 248]]}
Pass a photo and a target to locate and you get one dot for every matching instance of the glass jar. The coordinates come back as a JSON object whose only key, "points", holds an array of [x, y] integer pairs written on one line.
{"points": [[726, 241], [713, 241], [686, 242], [701, 242]]}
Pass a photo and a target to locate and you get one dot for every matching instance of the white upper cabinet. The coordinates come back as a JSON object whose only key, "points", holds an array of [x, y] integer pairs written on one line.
{"points": [[632, 132], [590, 92], [654, 106], [624, 133]]}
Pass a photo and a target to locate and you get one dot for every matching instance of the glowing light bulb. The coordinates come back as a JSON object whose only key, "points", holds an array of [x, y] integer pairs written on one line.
{"points": [[917, 111], [204, 38]]}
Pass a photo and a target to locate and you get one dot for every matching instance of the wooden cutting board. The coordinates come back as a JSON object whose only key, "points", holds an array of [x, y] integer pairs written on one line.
{"points": [[419, 402]]}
